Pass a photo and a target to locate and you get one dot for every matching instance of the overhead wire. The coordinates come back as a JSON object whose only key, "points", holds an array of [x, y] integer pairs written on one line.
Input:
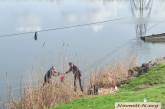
{"points": [[62, 28], [154, 25], [109, 54]]}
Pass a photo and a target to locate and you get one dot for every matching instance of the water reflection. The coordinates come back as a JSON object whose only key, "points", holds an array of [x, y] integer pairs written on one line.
{"points": [[92, 11], [29, 23], [141, 11]]}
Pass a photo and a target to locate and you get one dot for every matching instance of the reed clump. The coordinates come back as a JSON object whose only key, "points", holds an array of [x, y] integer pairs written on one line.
{"points": [[43, 97], [114, 74]]}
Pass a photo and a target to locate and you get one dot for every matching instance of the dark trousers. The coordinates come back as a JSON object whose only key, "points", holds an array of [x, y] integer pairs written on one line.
{"points": [[77, 76]]}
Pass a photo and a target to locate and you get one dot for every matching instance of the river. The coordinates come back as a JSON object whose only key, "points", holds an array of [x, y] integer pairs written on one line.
{"points": [[87, 46]]}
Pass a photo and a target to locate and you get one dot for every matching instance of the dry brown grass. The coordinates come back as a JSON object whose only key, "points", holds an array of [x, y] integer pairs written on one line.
{"points": [[114, 74], [43, 97]]}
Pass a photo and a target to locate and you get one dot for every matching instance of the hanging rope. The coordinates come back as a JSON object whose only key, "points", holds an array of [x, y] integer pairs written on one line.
{"points": [[35, 35]]}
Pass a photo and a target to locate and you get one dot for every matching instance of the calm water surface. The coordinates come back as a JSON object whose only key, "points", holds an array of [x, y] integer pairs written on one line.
{"points": [[86, 46]]}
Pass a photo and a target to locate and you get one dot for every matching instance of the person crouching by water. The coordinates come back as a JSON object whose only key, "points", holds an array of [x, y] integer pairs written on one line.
{"points": [[77, 75], [51, 72]]}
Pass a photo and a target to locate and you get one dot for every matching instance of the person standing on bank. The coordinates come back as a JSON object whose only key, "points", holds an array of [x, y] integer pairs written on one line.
{"points": [[77, 75]]}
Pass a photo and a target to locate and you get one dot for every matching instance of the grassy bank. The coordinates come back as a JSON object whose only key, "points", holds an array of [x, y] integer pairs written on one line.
{"points": [[150, 86]]}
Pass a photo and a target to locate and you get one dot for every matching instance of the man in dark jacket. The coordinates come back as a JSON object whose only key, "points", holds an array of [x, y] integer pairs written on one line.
{"points": [[51, 72], [77, 75]]}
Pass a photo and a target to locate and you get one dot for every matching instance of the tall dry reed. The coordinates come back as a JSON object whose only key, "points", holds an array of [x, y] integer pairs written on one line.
{"points": [[114, 74], [43, 97]]}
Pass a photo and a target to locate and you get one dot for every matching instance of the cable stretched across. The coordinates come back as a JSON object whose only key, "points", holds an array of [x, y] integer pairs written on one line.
{"points": [[62, 28]]}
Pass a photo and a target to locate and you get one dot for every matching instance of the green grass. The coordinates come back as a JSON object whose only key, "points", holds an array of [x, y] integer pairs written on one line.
{"points": [[154, 77], [150, 86]]}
